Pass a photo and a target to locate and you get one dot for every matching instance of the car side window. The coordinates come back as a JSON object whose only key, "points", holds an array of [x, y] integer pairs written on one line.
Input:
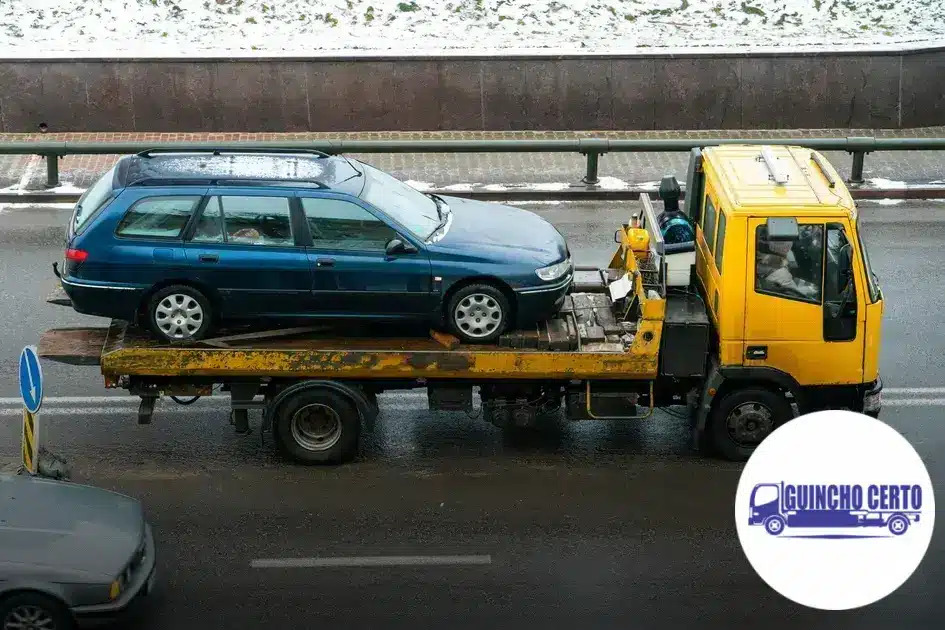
{"points": [[209, 228], [257, 220], [157, 217], [791, 270], [339, 224], [708, 227]]}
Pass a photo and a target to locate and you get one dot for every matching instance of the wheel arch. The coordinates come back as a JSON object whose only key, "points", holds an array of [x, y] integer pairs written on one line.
{"points": [[495, 281], [216, 301]]}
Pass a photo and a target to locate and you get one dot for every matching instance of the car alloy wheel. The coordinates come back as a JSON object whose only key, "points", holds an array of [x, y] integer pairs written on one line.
{"points": [[29, 617], [478, 315]]}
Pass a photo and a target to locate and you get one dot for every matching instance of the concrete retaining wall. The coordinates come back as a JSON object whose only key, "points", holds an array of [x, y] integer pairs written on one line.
{"points": [[862, 89]]}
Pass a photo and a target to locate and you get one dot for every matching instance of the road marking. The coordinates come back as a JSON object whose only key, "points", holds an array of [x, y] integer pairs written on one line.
{"points": [[129, 400], [368, 561], [914, 390]]}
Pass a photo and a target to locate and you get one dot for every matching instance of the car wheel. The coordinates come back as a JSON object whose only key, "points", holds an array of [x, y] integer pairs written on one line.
{"points": [[478, 313], [179, 313], [34, 610]]}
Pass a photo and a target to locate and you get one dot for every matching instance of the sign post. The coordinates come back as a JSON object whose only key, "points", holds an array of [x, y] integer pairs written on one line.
{"points": [[31, 391]]}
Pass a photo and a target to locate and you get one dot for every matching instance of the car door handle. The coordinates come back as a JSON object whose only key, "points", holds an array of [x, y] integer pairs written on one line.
{"points": [[325, 262], [208, 258]]}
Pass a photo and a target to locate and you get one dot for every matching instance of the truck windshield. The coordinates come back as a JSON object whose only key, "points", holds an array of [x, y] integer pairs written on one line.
{"points": [[405, 204], [871, 279], [92, 199]]}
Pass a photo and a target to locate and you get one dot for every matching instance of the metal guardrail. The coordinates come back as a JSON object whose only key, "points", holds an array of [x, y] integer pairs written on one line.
{"points": [[591, 148]]}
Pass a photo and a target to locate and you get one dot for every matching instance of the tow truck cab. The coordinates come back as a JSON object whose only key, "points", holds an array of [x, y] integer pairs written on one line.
{"points": [[785, 276]]}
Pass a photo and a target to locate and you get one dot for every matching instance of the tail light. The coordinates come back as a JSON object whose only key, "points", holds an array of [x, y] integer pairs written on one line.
{"points": [[76, 255]]}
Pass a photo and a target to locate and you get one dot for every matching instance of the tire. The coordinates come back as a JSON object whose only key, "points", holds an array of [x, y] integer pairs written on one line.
{"points": [[898, 525], [473, 308], [31, 605], [317, 426], [756, 411], [165, 304], [774, 525]]}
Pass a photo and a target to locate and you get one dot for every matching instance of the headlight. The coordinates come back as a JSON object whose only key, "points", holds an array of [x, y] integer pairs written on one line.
{"points": [[554, 271]]}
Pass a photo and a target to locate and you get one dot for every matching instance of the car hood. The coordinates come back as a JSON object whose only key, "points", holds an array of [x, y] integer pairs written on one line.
{"points": [[67, 526], [501, 231]]}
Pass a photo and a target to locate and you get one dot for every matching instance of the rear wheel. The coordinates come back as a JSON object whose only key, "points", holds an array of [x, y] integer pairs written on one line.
{"points": [[317, 426], [478, 313], [179, 313], [745, 417], [33, 611]]}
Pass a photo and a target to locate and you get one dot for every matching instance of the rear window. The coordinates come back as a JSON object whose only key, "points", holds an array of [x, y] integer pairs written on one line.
{"points": [[92, 200]]}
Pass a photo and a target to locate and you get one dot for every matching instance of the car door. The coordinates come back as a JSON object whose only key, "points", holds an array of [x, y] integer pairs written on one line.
{"points": [[245, 245], [352, 273]]}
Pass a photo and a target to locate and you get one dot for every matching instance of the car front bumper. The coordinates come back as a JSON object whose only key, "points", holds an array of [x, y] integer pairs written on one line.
{"points": [[141, 586], [538, 303]]}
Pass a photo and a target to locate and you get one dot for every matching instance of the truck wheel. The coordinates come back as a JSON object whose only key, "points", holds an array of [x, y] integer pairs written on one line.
{"points": [[745, 417], [774, 525], [317, 426], [898, 525]]}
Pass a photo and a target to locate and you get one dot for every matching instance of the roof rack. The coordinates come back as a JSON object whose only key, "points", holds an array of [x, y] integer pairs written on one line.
{"points": [[218, 151], [225, 181]]}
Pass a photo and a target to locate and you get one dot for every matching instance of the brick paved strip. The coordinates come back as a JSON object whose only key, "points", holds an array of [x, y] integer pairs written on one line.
{"points": [[482, 169]]}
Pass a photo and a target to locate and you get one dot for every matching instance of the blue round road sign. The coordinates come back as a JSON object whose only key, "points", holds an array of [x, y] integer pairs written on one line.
{"points": [[31, 379]]}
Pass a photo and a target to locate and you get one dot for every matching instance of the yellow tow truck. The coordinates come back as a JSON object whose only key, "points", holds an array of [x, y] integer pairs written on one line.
{"points": [[769, 311]]}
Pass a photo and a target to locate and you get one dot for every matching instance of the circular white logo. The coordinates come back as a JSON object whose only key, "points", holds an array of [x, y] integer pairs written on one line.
{"points": [[835, 510]]}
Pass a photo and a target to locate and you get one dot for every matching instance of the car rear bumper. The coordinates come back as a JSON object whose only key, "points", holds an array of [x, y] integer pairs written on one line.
{"points": [[141, 586], [118, 301], [542, 302]]}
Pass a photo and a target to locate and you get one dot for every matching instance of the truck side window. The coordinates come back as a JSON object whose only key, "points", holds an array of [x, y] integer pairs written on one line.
{"points": [[720, 246], [791, 270], [708, 225]]}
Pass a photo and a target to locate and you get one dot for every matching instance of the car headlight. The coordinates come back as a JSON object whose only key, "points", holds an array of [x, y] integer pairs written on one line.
{"points": [[553, 272]]}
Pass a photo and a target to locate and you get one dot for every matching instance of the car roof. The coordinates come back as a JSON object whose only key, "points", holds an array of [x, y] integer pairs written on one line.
{"points": [[308, 169]]}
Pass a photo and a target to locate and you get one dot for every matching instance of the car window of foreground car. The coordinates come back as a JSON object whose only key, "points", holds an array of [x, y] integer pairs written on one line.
{"points": [[93, 199], [405, 204]]}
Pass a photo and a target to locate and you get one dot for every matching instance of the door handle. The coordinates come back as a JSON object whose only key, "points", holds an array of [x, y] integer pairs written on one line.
{"points": [[208, 258], [325, 262]]}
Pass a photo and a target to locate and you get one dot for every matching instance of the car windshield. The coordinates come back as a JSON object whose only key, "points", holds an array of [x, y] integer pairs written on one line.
{"points": [[93, 199], [408, 206], [871, 278]]}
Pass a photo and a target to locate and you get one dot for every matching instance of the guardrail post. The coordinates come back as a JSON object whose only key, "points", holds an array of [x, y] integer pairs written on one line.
{"points": [[52, 170], [859, 147], [593, 148]]}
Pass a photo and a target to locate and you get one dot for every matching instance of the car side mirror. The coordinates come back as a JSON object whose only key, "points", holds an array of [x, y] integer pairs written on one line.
{"points": [[398, 246]]}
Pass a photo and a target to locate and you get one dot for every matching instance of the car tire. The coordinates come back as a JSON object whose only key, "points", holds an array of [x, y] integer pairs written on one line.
{"points": [[760, 410], [317, 426], [32, 605], [179, 314], [478, 313]]}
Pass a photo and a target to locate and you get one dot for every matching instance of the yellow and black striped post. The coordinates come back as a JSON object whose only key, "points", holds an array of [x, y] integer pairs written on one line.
{"points": [[30, 441]]}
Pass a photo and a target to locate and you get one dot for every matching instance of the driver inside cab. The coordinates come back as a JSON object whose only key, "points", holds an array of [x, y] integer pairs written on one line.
{"points": [[774, 270]]}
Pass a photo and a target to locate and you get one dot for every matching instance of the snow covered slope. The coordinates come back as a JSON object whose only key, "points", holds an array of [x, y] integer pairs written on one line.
{"points": [[308, 27]]}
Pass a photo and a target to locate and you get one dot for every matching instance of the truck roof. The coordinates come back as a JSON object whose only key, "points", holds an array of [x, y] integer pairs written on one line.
{"points": [[777, 178]]}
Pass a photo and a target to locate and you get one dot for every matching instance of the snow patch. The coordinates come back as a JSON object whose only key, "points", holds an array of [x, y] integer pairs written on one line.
{"points": [[421, 186], [885, 184], [182, 28], [888, 202]]}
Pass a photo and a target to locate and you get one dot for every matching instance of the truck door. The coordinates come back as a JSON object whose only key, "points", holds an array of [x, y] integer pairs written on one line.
{"points": [[800, 315]]}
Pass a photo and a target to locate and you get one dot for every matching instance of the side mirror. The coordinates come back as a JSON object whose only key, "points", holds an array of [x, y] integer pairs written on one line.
{"points": [[781, 229], [397, 246]]}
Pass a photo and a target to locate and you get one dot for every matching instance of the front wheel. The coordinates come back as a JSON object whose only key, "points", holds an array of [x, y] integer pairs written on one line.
{"points": [[478, 313], [745, 417], [33, 610]]}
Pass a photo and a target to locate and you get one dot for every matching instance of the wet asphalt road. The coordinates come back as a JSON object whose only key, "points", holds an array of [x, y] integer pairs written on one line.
{"points": [[594, 525]]}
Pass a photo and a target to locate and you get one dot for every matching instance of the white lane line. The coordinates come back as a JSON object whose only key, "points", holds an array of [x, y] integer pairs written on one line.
{"points": [[914, 390], [368, 561], [913, 402], [54, 412]]}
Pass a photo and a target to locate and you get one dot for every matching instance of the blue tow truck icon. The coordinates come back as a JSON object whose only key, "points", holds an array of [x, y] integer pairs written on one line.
{"points": [[777, 506]]}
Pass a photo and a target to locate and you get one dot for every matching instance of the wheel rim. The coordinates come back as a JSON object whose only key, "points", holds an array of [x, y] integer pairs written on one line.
{"points": [[478, 315], [29, 618], [898, 526], [178, 316], [749, 423], [316, 427], [774, 526]]}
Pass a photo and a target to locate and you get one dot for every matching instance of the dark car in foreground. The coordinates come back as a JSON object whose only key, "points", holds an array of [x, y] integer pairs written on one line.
{"points": [[183, 242], [70, 554]]}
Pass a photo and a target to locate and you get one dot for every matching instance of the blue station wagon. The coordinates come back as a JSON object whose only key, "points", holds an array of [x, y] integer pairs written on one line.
{"points": [[184, 241]]}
